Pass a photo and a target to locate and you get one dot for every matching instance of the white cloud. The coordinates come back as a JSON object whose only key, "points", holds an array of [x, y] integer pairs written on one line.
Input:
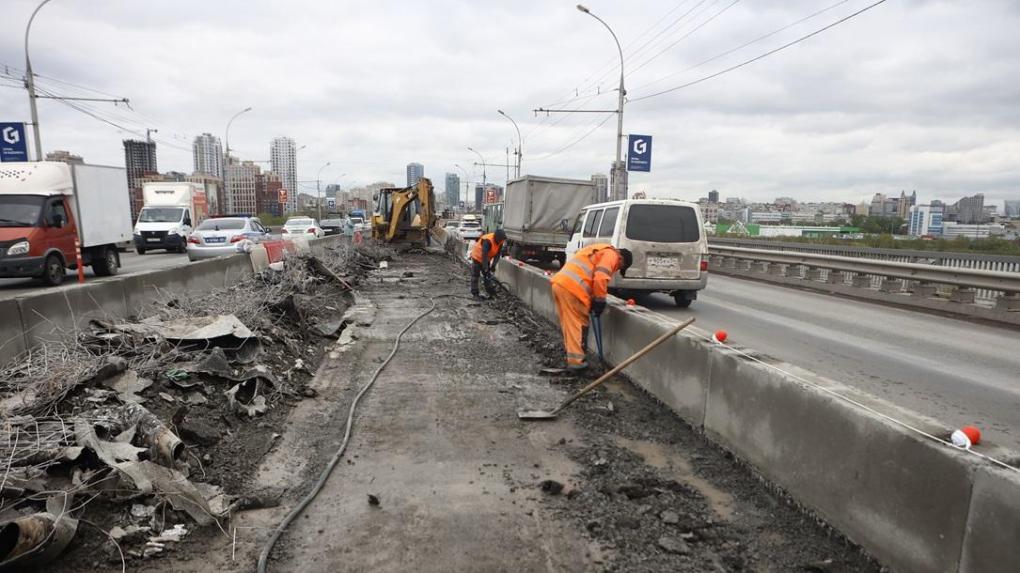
{"points": [[915, 94]]}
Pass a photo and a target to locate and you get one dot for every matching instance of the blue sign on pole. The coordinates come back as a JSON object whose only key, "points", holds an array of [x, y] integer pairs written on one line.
{"points": [[13, 146], [639, 153]]}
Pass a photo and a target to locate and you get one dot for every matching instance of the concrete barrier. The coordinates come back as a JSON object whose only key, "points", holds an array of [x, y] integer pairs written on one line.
{"points": [[12, 335], [916, 504], [58, 315]]}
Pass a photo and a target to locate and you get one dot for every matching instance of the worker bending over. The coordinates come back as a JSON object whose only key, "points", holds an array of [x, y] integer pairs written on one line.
{"points": [[484, 256], [580, 288]]}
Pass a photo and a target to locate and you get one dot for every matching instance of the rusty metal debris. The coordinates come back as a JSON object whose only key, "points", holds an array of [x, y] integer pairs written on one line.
{"points": [[38, 538]]}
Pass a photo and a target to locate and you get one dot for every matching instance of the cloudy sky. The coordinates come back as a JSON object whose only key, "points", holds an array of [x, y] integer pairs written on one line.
{"points": [[913, 94]]}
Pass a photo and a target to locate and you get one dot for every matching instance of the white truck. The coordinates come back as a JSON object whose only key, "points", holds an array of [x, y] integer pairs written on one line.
{"points": [[171, 210], [46, 207]]}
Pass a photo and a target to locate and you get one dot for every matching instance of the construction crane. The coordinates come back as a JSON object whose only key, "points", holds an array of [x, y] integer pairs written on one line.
{"points": [[405, 215]]}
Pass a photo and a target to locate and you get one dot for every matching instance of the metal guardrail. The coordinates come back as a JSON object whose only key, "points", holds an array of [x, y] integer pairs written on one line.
{"points": [[1006, 282]]}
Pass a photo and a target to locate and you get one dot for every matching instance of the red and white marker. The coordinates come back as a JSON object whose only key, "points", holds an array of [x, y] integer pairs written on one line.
{"points": [[966, 437], [631, 302], [720, 336]]}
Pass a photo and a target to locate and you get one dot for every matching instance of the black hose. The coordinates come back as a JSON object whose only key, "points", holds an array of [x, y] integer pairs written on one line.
{"points": [[278, 532]]}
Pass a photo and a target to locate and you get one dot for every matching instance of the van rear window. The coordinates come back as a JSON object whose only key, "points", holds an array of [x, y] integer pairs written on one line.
{"points": [[662, 224]]}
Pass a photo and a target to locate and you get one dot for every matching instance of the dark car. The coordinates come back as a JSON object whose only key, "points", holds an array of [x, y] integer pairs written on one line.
{"points": [[332, 226]]}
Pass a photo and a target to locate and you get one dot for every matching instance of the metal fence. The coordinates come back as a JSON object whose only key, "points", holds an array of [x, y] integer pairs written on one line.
{"points": [[976, 261]]}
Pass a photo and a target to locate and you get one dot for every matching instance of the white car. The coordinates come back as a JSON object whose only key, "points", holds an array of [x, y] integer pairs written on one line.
{"points": [[302, 226], [223, 236], [469, 230]]}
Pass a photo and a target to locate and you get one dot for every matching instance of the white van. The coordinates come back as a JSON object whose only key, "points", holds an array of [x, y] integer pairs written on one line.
{"points": [[667, 239]]}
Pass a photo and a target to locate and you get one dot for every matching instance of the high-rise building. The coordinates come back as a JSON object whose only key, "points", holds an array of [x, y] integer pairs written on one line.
{"points": [[924, 220], [601, 183], [452, 190], [139, 160], [415, 171], [242, 193], [1012, 210], [904, 204], [283, 161], [971, 210], [713, 196], [479, 197], [64, 156], [267, 193], [208, 155]]}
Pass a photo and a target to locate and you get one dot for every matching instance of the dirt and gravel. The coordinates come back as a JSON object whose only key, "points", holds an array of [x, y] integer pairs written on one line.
{"points": [[441, 475]]}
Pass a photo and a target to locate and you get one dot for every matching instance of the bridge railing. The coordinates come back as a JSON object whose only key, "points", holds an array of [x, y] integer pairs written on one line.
{"points": [[919, 279], [955, 260]]}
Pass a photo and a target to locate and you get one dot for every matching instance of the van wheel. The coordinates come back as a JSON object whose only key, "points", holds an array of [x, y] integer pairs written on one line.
{"points": [[106, 265], [53, 271], [140, 250], [561, 258], [682, 301]]}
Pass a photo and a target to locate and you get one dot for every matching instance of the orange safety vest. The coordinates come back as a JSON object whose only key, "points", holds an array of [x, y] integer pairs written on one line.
{"points": [[587, 274], [494, 247]]}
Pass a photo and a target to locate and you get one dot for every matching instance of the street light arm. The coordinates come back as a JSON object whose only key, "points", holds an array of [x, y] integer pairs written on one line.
{"points": [[520, 142], [615, 39]]}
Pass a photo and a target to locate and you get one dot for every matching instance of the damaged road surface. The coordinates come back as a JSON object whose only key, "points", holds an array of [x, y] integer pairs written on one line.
{"points": [[441, 475]]}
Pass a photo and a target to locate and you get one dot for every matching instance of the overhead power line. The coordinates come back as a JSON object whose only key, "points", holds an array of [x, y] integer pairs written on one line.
{"points": [[759, 57]]}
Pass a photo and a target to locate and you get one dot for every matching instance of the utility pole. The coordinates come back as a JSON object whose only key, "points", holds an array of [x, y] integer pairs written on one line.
{"points": [[148, 134], [30, 84], [318, 191], [619, 171], [466, 183], [520, 144]]}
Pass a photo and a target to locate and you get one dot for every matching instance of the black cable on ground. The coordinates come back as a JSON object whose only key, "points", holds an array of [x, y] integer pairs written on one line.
{"points": [[278, 532]]}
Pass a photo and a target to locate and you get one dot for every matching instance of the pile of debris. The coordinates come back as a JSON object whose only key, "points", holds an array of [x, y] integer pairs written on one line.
{"points": [[151, 426]]}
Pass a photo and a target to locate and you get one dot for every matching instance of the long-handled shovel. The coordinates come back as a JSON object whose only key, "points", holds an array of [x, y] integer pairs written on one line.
{"points": [[546, 415]]}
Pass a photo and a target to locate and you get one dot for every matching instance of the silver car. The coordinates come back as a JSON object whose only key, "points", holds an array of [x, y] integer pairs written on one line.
{"points": [[224, 236]]}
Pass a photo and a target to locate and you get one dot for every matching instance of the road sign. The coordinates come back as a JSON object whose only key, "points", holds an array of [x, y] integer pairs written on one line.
{"points": [[283, 196], [13, 145], [639, 153]]}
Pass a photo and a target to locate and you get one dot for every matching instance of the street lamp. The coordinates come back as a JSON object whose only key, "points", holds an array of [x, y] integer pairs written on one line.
{"points": [[619, 188], [517, 172], [31, 86], [318, 191], [226, 159], [483, 164], [466, 183]]}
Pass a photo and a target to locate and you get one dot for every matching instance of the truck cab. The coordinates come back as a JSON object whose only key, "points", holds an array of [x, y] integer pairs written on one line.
{"points": [[37, 234], [171, 211]]}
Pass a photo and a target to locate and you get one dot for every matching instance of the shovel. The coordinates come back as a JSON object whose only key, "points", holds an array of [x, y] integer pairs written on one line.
{"points": [[546, 415]]}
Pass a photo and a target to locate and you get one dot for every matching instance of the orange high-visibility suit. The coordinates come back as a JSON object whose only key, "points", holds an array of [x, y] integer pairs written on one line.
{"points": [[582, 280]]}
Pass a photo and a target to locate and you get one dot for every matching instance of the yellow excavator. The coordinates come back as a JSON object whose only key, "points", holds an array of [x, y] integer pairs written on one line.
{"points": [[405, 215]]}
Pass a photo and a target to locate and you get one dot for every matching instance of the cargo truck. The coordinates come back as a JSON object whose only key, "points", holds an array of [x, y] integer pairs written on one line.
{"points": [[539, 213], [171, 211], [47, 207]]}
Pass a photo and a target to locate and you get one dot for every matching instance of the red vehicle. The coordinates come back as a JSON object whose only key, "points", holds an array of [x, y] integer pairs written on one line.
{"points": [[46, 207]]}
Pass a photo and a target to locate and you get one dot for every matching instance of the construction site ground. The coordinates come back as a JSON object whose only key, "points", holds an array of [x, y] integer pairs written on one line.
{"points": [[440, 475]]}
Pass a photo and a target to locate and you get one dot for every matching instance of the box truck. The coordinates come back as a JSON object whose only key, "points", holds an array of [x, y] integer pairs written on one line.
{"points": [[171, 210], [539, 213], [47, 207]]}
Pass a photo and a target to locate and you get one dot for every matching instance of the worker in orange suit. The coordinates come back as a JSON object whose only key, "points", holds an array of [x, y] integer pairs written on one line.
{"points": [[580, 288], [484, 257]]}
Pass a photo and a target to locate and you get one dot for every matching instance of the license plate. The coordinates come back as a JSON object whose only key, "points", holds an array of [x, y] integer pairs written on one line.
{"points": [[152, 240], [215, 240], [662, 263]]}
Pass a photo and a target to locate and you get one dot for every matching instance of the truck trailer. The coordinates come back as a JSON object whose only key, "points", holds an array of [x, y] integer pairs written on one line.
{"points": [[46, 207], [171, 211], [538, 215]]}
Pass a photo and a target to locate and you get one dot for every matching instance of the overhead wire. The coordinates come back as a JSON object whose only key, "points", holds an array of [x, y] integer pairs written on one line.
{"points": [[682, 38], [760, 56], [746, 44]]}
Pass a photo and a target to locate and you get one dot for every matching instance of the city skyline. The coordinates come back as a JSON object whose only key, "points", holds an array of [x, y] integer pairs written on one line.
{"points": [[834, 118]]}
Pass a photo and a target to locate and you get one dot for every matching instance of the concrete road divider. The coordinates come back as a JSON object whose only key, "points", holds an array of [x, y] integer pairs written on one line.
{"points": [[859, 463], [57, 314]]}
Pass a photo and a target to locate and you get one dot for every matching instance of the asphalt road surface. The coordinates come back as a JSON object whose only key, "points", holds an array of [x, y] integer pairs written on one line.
{"points": [[130, 263], [956, 371]]}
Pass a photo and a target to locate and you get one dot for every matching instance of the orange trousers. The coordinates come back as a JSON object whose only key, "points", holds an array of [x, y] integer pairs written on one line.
{"points": [[573, 315]]}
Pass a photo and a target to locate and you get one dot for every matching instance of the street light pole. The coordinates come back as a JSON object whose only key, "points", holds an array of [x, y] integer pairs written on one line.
{"points": [[30, 84], [318, 191], [483, 164], [226, 159], [520, 143], [619, 188]]}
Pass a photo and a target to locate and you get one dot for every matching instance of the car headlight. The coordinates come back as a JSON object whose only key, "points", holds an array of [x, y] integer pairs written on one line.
{"points": [[19, 248]]}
